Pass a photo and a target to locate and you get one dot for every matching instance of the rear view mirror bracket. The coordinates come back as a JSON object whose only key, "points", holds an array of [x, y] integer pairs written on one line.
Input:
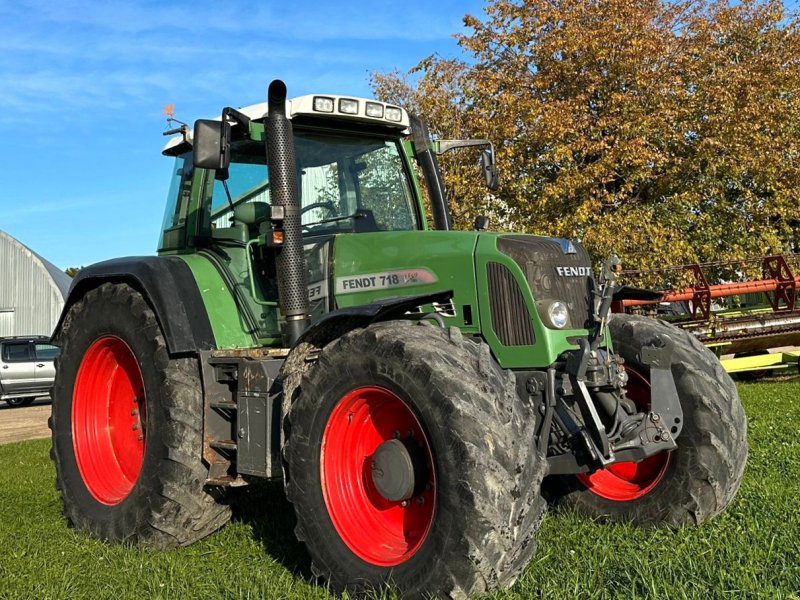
{"points": [[487, 159], [212, 141]]}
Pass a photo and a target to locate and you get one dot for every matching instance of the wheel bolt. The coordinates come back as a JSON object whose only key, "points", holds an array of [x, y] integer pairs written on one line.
{"points": [[135, 426], [420, 500], [411, 433], [396, 435], [140, 437], [404, 503], [135, 412]]}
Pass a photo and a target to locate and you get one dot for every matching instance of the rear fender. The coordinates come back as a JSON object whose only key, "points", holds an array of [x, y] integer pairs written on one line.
{"points": [[168, 286]]}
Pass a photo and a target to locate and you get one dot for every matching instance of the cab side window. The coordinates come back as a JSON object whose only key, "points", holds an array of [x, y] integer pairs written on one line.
{"points": [[247, 182]]}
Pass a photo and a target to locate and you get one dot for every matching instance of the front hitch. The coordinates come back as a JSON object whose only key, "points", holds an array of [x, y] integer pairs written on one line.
{"points": [[659, 427], [604, 429]]}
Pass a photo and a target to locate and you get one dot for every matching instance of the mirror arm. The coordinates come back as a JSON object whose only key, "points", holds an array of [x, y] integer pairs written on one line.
{"points": [[236, 116], [447, 145]]}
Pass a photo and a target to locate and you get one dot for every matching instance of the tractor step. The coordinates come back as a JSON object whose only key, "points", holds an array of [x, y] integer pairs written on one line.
{"points": [[241, 428], [224, 405], [228, 445]]}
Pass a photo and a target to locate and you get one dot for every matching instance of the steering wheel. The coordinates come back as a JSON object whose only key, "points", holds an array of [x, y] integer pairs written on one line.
{"points": [[327, 204]]}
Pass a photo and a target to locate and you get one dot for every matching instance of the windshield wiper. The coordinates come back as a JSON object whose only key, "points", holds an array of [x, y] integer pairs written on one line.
{"points": [[356, 215]]}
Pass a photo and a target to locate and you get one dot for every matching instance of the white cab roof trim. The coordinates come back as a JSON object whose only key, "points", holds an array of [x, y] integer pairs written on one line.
{"points": [[304, 105]]}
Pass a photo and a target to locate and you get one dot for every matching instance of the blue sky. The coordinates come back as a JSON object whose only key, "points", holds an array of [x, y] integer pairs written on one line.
{"points": [[82, 86]]}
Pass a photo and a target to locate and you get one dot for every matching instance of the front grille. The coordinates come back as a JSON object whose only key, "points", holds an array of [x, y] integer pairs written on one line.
{"points": [[541, 259], [511, 321]]}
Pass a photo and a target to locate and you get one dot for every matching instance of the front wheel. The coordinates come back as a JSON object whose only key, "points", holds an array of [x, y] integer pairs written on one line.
{"points": [[411, 461], [700, 477], [127, 427]]}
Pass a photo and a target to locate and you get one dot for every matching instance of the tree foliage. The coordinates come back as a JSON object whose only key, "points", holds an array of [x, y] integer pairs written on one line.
{"points": [[665, 131]]}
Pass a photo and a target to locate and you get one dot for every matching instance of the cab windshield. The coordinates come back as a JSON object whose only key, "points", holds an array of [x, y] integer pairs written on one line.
{"points": [[346, 183]]}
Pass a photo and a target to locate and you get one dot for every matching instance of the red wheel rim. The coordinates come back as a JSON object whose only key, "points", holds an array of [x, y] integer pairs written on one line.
{"points": [[627, 481], [377, 530], [109, 420]]}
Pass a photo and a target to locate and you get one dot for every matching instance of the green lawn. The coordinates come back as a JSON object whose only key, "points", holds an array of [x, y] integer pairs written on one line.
{"points": [[752, 551]]}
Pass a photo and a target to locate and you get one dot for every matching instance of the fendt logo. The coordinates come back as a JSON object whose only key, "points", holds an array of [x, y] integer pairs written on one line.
{"points": [[574, 271]]}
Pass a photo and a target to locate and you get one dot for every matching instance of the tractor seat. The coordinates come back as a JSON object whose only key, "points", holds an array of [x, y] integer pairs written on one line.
{"points": [[251, 213]]}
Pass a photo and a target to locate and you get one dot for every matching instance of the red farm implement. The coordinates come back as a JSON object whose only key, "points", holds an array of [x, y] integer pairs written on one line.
{"points": [[744, 318]]}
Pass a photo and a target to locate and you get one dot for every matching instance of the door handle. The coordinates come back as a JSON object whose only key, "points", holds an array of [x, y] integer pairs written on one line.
{"points": [[40, 365], [5, 366]]}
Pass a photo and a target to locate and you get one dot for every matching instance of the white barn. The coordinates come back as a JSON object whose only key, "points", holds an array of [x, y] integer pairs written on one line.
{"points": [[32, 290]]}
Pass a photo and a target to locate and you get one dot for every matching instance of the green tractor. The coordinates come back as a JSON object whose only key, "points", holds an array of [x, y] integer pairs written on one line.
{"points": [[412, 386]]}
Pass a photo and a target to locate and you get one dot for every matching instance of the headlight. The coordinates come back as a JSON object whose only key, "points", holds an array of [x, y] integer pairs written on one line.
{"points": [[394, 114], [375, 110], [348, 106], [323, 104], [558, 314]]}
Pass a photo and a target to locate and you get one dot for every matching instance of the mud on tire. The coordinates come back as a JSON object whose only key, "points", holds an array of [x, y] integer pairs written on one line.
{"points": [[486, 469], [156, 495], [705, 471]]}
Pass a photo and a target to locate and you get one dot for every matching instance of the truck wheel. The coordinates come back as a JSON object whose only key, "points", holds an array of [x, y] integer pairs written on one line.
{"points": [[127, 429], [411, 462], [17, 402], [700, 477], [752, 375]]}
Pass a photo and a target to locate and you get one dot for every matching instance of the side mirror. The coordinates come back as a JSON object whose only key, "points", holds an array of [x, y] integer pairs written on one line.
{"points": [[489, 169], [212, 148], [481, 223]]}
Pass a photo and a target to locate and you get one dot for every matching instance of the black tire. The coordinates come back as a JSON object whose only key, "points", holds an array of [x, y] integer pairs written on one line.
{"points": [[18, 402], [704, 472], [167, 505], [481, 438]]}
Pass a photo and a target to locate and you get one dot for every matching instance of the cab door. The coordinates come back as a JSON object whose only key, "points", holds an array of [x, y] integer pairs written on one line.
{"points": [[18, 370]]}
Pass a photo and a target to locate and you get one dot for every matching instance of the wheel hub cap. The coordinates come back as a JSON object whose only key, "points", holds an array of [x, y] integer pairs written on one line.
{"points": [[397, 469]]}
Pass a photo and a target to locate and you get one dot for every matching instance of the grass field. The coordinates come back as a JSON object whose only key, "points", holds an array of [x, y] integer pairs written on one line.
{"points": [[751, 551]]}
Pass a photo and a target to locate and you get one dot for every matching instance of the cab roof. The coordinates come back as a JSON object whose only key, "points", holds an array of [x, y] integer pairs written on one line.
{"points": [[327, 107]]}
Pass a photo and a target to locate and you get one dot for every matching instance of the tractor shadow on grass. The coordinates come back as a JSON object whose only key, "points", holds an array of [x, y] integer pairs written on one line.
{"points": [[263, 506]]}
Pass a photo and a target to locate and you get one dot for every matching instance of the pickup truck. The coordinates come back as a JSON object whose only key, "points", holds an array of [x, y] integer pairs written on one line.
{"points": [[26, 368]]}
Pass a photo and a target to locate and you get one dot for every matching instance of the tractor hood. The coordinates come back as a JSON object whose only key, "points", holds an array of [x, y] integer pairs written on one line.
{"points": [[503, 285]]}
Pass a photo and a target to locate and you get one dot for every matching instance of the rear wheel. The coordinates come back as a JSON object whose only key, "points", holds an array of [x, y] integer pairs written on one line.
{"points": [[127, 429], [411, 462], [693, 482]]}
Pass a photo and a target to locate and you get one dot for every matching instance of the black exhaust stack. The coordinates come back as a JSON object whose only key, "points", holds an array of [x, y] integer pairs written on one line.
{"points": [[291, 267]]}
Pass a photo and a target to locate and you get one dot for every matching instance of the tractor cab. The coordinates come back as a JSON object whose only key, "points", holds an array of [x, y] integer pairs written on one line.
{"points": [[355, 172]]}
